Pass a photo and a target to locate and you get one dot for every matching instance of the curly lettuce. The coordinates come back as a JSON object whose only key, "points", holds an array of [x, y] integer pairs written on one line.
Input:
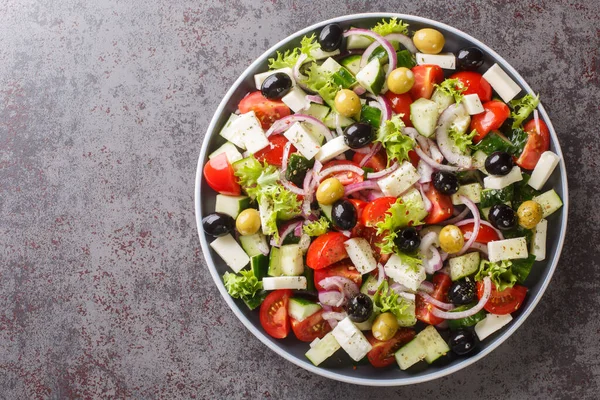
{"points": [[386, 300], [394, 25], [452, 87], [321, 81], [317, 228], [463, 141], [522, 108], [396, 144], [308, 45], [404, 212], [243, 285], [500, 273]]}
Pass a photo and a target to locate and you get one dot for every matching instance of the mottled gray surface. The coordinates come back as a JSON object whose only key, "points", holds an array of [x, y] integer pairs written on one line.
{"points": [[103, 288]]}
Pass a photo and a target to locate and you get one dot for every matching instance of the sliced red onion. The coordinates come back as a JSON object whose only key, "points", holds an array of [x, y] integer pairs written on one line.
{"points": [[384, 172], [345, 285], [399, 288], [480, 247], [384, 106], [308, 194], [340, 168], [434, 150], [433, 301], [411, 133], [359, 90], [290, 186], [374, 195], [536, 118], [338, 127], [444, 256], [487, 290], [426, 287], [285, 156], [314, 98], [434, 263], [456, 219], [298, 230], [476, 223], [446, 145], [285, 123], [425, 171], [285, 230], [426, 201], [364, 60], [428, 241], [357, 187], [380, 274], [393, 60], [298, 77], [434, 164], [374, 150], [331, 298], [338, 316], [403, 40]]}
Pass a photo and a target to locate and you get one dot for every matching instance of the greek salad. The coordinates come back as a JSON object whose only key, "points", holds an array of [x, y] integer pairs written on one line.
{"points": [[381, 195]]}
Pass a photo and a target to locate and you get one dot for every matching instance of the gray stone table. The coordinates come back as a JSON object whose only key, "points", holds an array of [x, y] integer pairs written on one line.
{"points": [[103, 288]]}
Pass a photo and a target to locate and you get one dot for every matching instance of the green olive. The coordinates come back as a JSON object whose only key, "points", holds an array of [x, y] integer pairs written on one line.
{"points": [[330, 191], [400, 80], [347, 103], [451, 239], [530, 214], [429, 41], [385, 326], [248, 222]]}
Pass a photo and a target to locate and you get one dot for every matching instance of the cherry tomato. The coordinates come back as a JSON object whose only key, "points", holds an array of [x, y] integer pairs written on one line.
{"points": [[376, 211], [414, 158], [325, 250], [343, 268], [475, 84], [377, 163], [401, 105], [311, 328], [441, 206], [359, 205], [382, 352], [273, 313], [537, 143], [494, 114], [273, 153], [267, 111], [426, 76], [442, 283], [504, 302], [345, 177], [220, 176], [485, 235]]}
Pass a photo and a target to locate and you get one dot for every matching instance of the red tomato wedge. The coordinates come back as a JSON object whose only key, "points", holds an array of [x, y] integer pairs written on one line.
{"points": [[267, 111], [359, 205], [426, 76], [504, 302], [219, 175], [485, 235], [311, 328], [414, 158], [400, 103], [475, 84], [376, 210], [377, 163], [326, 249], [343, 268], [441, 206], [494, 114], [442, 283], [382, 353], [273, 153], [273, 313], [537, 143]]}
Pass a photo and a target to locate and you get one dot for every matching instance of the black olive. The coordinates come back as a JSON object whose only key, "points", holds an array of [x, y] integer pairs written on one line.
{"points": [[499, 163], [462, 292], [218, 224], [469, 59], [502, 216], [343, 215], [276, 86], [445, 182], [330, 37], [462, 342], [358, 135], [359, 308], [408, 240]]}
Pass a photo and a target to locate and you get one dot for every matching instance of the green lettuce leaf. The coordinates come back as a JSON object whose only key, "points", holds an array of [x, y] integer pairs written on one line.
{"points": [[317, 228], [400, 215], [394, 25], [243, 285], [522, 108], [322, 82], [462, 141], [386, 300], [396, 144], [308, 44], [500, 273], [452, 87]]}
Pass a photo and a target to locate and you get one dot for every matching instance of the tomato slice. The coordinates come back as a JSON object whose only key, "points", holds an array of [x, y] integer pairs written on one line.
{"points": [[359, 205], [505, 302], [475, 84], [311, 328], [377, 163], [401, 105], [220, 176], [441, 205], [345, 177], [382, 352], [537, 143], [414, 158], [343, 268], [426, 76], [273, 313], [486, 234], [267, 111], [325, 250], [442, 283], [494, 114], [273, 153], [376, 211]]}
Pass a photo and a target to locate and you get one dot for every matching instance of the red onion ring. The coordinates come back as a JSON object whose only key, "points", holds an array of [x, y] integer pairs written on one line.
{"points": [[393, 59], [290, 186], [433, 301], [426, 201], [480, 247], [456, 219], [298, 77], [434, 150], [433, 263], [374, 150], [425, 171], [345, 285], [428, 241], [364, 60], [285, 156], [427, 287], [476, 223], [434, 164], [374, 195], [383, 172], [285, 123], [357, 187], [487, 291], [444, 142], [331, 298], [399, 288], [285, 230], [359, 90], [403, 40], [314, 98], [340, 168]]}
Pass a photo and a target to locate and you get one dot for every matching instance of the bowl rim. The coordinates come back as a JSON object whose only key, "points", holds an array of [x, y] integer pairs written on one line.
{"points": [[304, 363]]}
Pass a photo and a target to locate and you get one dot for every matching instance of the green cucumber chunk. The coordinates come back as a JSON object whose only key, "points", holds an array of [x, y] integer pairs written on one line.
{"points": [[456, 324], [464, 265], [300, 309], [372, 77], [371, 115], [297, 167], [424, 115]]}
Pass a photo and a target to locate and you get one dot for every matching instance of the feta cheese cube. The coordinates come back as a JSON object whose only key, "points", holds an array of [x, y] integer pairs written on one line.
{"points": [[507, 249], [360, 253], [248, 129], [351, 339], [296, 99], [230, 134], [543, 169], [284, 282], [231, 252], [500, 182], [306, 144], [538, 241], [490, 324], [473, 104], [502, 83], [403, 273], [332, 149], [472, 191], [260, 78], [443, 60], [400, 180]]}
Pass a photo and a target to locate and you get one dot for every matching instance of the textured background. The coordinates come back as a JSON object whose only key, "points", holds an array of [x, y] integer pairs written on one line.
{"points": [[103, 288]]}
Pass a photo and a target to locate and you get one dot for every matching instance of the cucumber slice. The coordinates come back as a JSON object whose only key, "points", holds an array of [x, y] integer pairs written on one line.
{"points": [[309, 274], [491, 197], [369, 284], [435, 346], [326, 211], [259, 265], [371, 115], [319, 111], [495, 141], [456, 324], [405, 59], [275, 268], [472, 191], [372, 77], [344, 121], [231, 205], [322, 349], [300, 309], [352, 63], [464, 265], [550, 202], [358, 42], [253, 243], [442, 99], [410, 354], [424, 115], [381, 54], [292, 262]]}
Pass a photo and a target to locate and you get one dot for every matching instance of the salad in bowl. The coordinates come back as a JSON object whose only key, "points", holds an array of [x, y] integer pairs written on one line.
{"points": [[381, 195]]}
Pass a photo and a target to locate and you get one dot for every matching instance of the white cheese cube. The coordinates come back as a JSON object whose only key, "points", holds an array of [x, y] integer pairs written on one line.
{"points": [[473, 104], [322, 349], [284, 282], [231, 252], [490, 324], [332, 149], [507, 249], [360, 253], [443, 60], [306, 144], [296, 99], [502, 83], [472, 191], [260, 78], [500, 182], [400, 180], [230, 134], [403, 273], [543, 169], [247, 127], [352, 340], [538, 241], [265, 210]]}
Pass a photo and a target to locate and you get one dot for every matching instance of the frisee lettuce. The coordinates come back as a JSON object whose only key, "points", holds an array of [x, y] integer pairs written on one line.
{"points": [[308, 44], [396, 144], [242, 285], [411, 261], [500, 273], [322, 82], [463, 141], [394, 25], [316, 228], [401, 214], [452, 87], [385, 299], [522, 108]]}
